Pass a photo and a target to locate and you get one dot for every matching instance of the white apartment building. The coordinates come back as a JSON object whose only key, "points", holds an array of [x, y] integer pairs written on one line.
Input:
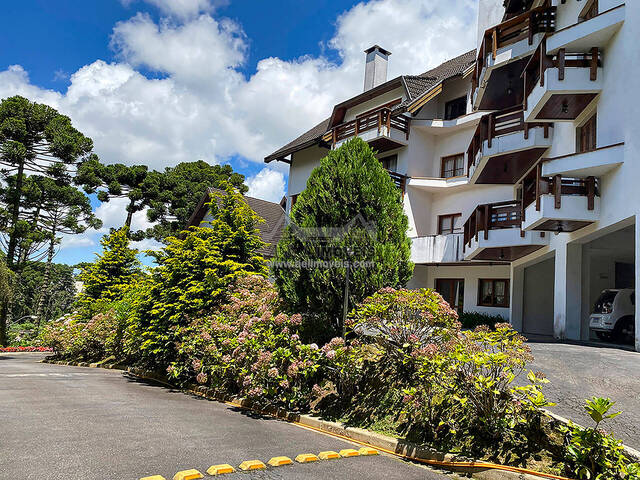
{"points": [[517, 161]]}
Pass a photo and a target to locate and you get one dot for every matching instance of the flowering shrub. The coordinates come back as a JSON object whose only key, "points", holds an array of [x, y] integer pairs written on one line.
{"points": [[25, 349], [251, 348], [400, 320]]}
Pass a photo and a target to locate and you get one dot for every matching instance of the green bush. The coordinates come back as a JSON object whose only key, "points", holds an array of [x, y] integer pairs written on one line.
{"points": [[106, 279], [593, 454], [193, 275], [471, 320]]}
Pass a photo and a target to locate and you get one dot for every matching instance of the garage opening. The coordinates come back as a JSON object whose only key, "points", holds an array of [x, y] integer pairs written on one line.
{"points": [[538, 298], [608, 290]]}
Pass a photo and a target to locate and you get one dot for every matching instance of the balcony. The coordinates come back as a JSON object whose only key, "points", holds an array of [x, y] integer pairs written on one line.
{"points": [[399, 179], [437, 249], [560, 87], [380, 128], [594, 163], [503, 54], [557, 204], [493, 233], [504, 147], [592, 29]]}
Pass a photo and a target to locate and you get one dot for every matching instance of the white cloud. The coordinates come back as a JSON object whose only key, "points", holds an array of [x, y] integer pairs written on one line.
{"points": [[179, 8], [78, 241], [268, 185], [198, 105], [113, 215]]}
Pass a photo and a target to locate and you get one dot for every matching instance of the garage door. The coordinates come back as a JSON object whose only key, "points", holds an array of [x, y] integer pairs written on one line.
{"points": [[538, 298]]}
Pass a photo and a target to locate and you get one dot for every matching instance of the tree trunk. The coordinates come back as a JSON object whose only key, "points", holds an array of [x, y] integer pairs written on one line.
{"points": [[130, 209], [45, 281], [15, 213], [3, 323]]}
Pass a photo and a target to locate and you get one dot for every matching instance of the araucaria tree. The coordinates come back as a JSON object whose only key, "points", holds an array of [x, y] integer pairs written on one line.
{"points": [[349, 216], [64, 210], [181, 188], [34, 140], [135, 183]]}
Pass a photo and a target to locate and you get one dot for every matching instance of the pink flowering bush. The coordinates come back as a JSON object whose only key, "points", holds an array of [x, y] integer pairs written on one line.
{"points": [[251, 348]]}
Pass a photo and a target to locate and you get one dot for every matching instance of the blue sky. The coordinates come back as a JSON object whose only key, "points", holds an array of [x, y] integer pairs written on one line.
{"points": [[164, 81]]}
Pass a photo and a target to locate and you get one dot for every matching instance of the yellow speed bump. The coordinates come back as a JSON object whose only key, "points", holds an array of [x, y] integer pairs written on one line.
{"points": [[188, 475], [349, 452], [220, 469], [280, 461], [252, 465], [328, 455], [154, 477], [366, 451], [306, 458]]}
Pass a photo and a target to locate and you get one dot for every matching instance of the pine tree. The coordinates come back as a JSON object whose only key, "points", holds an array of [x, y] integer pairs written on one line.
{"points": [[114, 269], [351, 211]]}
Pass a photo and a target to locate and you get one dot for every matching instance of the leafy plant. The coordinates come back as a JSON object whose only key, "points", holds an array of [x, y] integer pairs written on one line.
{"points": [[592, 453], [472, 320], [112, 272], [194, 273]]}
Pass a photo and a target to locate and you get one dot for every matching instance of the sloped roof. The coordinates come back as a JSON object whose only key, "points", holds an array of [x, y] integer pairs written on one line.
{"points": [[307, 138], [272, 213], [416, 86]]}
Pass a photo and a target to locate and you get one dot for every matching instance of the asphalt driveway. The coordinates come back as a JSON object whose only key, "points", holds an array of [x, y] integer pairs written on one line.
{"points": [[90, 424], [578, 372]]}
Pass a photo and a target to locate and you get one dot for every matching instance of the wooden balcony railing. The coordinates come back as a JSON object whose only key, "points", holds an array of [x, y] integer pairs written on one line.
{"points": [[540, 62], [535, 186], [399, 179], [381, 120], [523, 26], [493, 216], [497, 124]]}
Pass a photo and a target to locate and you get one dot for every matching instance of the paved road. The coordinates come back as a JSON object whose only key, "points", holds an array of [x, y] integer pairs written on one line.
{"points": [[74, 423], [577, 372]]}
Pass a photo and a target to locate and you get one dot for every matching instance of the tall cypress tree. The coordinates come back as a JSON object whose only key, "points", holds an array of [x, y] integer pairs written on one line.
{"points": [[349, 215]]}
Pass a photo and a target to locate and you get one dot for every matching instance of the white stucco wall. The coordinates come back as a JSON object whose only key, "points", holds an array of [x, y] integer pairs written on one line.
{"points": [[617, 108], [302, 164], [490, 13], [425, 277]]}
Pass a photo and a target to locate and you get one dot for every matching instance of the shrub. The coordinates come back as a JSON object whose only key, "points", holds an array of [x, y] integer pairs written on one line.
{"points": [[110, 275], [593, 454], [193, 275], [350, 211], [471, 320], [251, 348]]}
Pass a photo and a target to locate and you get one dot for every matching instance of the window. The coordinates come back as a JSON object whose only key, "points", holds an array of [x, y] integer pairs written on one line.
{"points": [[294, 199], [455, 108], [493, 293], [452, 166], [586, 135], [447, 224], [589, 11], [452, 290], [390, 163]]}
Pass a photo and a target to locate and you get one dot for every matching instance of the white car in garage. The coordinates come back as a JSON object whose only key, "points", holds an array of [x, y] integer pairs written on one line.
{"points": [[613, 316]]}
